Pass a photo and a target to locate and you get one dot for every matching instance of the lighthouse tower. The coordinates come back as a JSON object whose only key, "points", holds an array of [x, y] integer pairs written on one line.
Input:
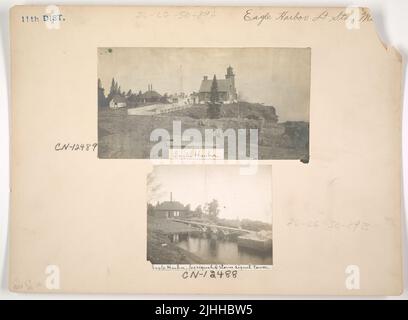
{"points": [[230, 77]]}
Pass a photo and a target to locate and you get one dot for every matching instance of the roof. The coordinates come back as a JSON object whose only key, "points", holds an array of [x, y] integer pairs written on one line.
{"points": [[151, 94], [118, 99], [170, 206], [223, 85]]}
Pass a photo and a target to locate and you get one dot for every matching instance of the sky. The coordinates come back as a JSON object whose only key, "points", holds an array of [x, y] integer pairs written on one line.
{"points": [[239, 196], [273, 76]]}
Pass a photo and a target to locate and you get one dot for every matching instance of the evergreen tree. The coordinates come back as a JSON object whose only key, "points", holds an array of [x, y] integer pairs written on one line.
{"points": [[112, 90], [101, 95], [214, 96], [115, 88], [214, 110]]}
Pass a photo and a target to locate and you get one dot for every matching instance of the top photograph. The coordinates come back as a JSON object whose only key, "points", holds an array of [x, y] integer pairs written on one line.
{"points": [[246, 103]]}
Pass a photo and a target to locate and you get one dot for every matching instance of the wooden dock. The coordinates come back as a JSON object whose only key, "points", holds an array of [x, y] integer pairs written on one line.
{"points": [[213, 226]]}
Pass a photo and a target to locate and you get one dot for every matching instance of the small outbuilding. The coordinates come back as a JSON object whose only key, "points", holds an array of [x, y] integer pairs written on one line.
{"points": [[170, 209], [118, 102]]}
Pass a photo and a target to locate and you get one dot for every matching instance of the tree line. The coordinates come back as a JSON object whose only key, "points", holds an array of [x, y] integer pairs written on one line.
{"points": [[115, 90]]}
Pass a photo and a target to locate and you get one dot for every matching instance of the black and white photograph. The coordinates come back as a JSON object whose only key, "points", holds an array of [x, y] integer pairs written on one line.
{"points": [[216, 216], [204, 157], [266, 90]]}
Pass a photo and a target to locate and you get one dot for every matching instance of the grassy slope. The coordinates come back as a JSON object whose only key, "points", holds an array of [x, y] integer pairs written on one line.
{"points": [[159, 248], [123, 136]]}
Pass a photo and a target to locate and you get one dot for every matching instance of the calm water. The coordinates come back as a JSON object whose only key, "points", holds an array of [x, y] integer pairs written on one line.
{"points": [[222, 251]]}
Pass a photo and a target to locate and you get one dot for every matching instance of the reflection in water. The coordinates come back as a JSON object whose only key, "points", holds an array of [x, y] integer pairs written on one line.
{"points": [[222, 251]]}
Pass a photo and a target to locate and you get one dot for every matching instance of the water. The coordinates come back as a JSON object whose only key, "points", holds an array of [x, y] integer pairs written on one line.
{"points": [[217, 251]]}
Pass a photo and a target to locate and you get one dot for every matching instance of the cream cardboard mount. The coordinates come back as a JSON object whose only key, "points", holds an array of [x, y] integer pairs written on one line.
{"points": [[79, 223]]}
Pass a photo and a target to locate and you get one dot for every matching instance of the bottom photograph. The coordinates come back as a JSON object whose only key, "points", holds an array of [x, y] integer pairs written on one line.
{"points": [[213, 215]]}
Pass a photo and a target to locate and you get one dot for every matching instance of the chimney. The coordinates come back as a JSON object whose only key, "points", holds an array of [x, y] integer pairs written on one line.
{"points": [[171, 196], [205, 77]]}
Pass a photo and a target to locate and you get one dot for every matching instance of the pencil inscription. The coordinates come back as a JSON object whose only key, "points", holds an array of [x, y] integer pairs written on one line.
{"points": [[260, 17]]}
